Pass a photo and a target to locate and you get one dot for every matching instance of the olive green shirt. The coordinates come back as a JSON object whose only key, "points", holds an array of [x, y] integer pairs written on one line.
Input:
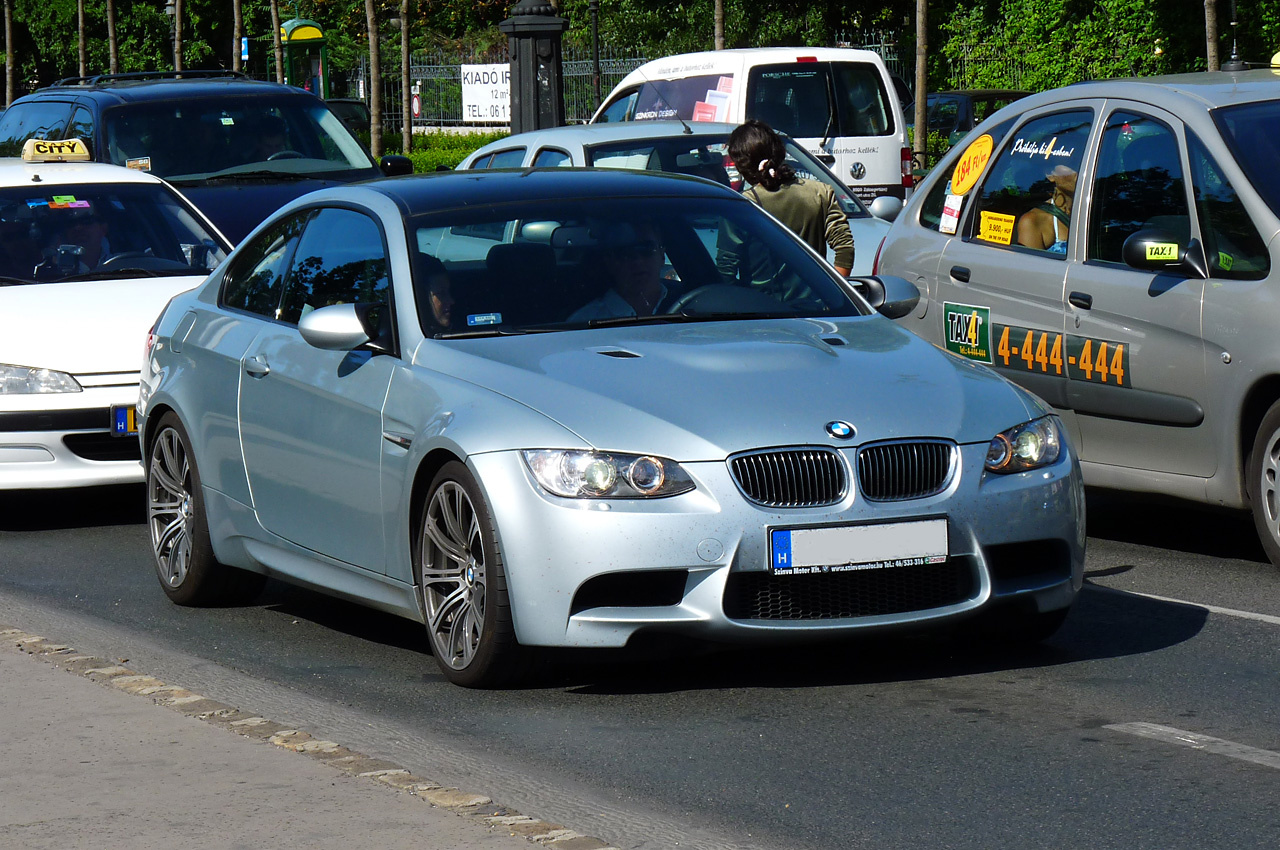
{"points": [[810, 209]]}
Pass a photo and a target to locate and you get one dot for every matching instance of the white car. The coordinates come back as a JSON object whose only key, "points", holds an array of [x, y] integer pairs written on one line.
{"points": [[89, 255], [700, 150]]}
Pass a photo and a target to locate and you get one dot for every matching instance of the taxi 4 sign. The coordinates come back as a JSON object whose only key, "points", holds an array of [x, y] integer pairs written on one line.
{"points": [[968, 331]]}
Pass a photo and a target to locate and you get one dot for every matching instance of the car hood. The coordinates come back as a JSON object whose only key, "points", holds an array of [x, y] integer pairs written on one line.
{"points": [[83, 327], [704, 391], [238, 206]]}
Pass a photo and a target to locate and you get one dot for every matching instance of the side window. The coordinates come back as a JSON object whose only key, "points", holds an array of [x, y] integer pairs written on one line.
{"points": [[81, 126], [482, 162], [1231, 241], [512, 158], [254, 282], [619, 109], [340, 259], [552, 158], [1027, 199], [1138, 184], [41, 119], [931, 208]]}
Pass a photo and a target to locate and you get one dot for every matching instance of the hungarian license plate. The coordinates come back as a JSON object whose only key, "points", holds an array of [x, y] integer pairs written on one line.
{"points": [[124, 420], [843, 548]]}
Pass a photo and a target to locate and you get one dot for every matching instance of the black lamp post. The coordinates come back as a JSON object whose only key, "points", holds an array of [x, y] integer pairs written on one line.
{"points": [[537, 65]]}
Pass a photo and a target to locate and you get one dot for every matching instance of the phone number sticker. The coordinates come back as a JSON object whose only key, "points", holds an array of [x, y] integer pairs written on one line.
{"points": [[969, 332]]}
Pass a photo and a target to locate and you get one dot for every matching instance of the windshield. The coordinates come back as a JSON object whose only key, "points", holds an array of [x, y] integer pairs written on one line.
{"points": [[1252, 133], [707, 156], [560, 265], [215, 136], [115, 230]]}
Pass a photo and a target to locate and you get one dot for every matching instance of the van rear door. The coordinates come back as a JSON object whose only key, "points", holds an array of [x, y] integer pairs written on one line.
{"points": [[842, 112]]}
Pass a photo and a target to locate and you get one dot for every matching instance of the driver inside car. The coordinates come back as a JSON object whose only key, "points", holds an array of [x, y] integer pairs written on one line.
{"points": [[78, 243], [633, 258]]}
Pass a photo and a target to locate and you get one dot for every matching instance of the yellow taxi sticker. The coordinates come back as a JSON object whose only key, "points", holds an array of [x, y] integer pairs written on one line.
{"points": [[996, 227], [1162, 251], [67, 150], [970, 165]]}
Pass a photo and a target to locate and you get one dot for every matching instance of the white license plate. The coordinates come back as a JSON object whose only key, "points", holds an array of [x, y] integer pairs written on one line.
{"points": [[803, 551]]}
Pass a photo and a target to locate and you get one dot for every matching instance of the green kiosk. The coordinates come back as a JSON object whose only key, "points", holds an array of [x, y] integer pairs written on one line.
{"points": [[306, 60]]}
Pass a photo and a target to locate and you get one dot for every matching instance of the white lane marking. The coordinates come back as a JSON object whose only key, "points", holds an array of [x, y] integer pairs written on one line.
{"points": [[1196, 741], [1213, 609]]}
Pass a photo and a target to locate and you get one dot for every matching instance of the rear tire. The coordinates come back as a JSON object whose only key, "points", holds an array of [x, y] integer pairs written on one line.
{"points": [[464, 588], [1262, 483], [185, 565]]}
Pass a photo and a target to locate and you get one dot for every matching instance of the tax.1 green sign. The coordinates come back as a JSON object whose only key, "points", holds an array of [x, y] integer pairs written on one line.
{"points": [[968, 331]]}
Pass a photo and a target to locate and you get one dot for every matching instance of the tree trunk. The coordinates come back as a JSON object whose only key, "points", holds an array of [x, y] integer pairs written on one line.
{"points": [[406, 96], [275, 39], [83, 51], [177, 35], [719, 25], [920, 147], [237, 33], [1211, 34], [8, 52], [113, 40], [375, 80]]}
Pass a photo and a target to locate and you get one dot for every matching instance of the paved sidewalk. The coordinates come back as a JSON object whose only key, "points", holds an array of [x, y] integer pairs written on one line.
{"points": [[92, 757]]}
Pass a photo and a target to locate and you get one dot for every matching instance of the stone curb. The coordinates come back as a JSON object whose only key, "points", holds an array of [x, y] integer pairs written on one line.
{"points": [[476, 807]]}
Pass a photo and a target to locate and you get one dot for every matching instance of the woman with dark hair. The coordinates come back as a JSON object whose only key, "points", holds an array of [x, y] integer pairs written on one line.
{"points": [[808, 207]]}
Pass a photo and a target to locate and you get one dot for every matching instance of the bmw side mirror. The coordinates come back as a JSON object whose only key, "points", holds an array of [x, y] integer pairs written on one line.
{"points": [[1158, 250], [394, 165], [339, 327], [886, 207], [891, 296]]}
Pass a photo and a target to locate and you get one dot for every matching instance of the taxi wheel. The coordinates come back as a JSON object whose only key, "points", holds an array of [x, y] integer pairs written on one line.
{"points": [[1263, 483], [185, 565], [464, 590]]}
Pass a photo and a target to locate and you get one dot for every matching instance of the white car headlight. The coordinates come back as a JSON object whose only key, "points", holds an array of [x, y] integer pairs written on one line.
{"points": [[1026, 446], [24, 380], [605, 475]]}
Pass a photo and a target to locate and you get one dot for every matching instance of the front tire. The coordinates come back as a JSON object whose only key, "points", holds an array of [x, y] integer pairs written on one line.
{"points": [[1263, 483], [463, 585], [188, 571]]}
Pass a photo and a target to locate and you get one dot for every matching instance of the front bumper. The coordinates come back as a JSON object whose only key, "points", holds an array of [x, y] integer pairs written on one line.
{"points": [[65, 440], [594, 573]]}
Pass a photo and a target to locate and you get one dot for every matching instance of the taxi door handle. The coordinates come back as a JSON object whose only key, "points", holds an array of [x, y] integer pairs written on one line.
{"points": [[257, 366], [1081, 300], [960, 273]]}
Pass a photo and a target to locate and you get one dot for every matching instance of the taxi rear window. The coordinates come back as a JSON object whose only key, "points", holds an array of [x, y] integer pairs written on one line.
{"points": [[1252, 133]]}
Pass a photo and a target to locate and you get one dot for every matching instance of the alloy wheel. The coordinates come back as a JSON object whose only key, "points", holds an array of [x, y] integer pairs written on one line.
{"points": [[170, 507], [454, 579]]}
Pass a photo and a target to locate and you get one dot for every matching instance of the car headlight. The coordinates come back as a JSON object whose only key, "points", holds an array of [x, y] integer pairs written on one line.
{"points": [[606, 475], [22, 380], [1026, 446]]}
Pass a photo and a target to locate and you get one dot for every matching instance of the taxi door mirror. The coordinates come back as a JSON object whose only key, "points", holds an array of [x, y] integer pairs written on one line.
{"points": [[892, 297], [1156, 250], [886, 207]]}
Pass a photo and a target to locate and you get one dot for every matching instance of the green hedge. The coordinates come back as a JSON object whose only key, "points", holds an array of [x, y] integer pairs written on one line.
{"points": [[431, 150]]}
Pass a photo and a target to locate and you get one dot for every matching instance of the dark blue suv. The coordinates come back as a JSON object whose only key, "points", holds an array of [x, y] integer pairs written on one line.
{"points": [[237, 148]]}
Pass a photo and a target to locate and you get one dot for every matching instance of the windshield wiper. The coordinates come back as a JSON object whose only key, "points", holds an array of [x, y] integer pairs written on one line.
{"points": [[5, 280], [682, 317], [477, 334], [130, 271], [258, 174]]}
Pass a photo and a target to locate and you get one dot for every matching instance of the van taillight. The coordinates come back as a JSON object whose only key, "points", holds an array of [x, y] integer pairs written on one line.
{"points": [[908, 179]]}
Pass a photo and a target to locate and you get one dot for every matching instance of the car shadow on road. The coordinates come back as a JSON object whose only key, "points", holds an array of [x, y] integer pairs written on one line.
{"points": [[82, 507], [1103, 624], [1166, 523]]}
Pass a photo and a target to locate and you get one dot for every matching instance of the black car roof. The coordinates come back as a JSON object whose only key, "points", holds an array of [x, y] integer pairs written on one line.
{"points": [[158, 86], [444, 190]]}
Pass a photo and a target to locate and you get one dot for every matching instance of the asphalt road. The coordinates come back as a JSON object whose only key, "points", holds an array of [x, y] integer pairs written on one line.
{"points": [[879, 744]]}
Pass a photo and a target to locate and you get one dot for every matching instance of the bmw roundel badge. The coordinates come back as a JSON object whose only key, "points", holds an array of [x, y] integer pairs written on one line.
{"points": [[840, 430]]}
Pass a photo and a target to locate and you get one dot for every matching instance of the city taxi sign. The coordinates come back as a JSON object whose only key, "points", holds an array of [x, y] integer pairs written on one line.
{"points": [[67, 150]]}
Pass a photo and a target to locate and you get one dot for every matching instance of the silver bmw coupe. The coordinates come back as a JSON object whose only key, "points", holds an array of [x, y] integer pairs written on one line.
{"points": [[562, 407]]}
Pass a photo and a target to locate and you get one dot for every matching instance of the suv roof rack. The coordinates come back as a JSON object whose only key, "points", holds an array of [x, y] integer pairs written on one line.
{"points": [[107, 79]]}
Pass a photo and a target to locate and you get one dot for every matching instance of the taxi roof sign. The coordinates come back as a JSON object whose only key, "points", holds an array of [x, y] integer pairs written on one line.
{"points": [[67, 150]]}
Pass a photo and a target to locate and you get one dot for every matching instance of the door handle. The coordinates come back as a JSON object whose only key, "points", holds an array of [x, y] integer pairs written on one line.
{"points": [[960, 273], [1080, 299], [257, 365]]}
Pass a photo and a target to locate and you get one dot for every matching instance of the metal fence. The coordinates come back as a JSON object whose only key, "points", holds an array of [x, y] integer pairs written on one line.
{"points": [[437, 80]]}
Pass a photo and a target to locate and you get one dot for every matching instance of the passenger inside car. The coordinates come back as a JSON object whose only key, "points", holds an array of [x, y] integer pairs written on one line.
{"points": [[1044, 226]]}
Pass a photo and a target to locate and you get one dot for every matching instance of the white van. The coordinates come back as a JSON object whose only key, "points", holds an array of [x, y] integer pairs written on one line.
{"points": [[838, 103]]}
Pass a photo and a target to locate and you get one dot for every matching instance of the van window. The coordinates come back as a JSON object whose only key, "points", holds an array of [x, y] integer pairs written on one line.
{"points": [[619, 109], [702, 98], [810, 100]]}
